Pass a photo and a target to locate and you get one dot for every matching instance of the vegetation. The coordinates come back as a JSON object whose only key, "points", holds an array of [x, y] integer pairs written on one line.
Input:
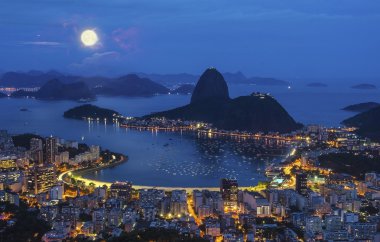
{"points": [[355, 165], [361, 107], [27, 226], [90, 111], [108, 155], [74, 151], [23, 140], [367, 123]]}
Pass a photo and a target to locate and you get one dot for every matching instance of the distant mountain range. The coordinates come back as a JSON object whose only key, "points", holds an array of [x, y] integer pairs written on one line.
{"points": [[56, 90], [38, 78], [230, 77], [210, 102]]}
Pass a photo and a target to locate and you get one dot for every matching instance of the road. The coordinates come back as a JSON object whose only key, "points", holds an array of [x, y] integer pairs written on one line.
{"points": [[165, 188]]}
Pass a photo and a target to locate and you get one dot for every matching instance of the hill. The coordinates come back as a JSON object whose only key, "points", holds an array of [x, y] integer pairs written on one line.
{"points": [[210, 103], [210, 85], [90, 111], [56, 90], [367, 123], [361, 107], [39, 78], [131, 85]]}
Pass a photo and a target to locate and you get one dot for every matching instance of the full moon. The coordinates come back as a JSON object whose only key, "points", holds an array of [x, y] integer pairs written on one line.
{"points": [[89, 37]]}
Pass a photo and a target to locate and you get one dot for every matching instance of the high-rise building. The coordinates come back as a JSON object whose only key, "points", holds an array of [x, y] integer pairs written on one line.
{"points": [[121, 190], [229, 190], [10, 176], [51, 150], [62, 157], [11, 197], [56, 192], [36, 150], [301, 183], [40, 179]]}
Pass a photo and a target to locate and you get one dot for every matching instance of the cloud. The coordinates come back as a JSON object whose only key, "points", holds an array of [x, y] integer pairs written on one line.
{"points": [[42, 43], [126, 38], [102, 59]]}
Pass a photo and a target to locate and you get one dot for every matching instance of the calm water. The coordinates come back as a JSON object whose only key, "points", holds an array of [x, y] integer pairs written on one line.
{"points": [[170, 159]]}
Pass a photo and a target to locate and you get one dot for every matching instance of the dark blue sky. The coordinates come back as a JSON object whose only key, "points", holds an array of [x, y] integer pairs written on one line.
{"points": [[277, 38]]}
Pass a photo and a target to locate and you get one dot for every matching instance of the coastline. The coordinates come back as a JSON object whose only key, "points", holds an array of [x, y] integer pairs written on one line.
{"points": [[116, 163], [77, 173]]}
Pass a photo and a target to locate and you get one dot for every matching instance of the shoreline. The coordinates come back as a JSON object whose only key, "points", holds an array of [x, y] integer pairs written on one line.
{"points": [[77, 174], [116, 163], [210, 132]]}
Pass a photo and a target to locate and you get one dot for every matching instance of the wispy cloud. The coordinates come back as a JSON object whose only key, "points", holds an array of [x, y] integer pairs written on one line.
{"points": [[126, 38], [41, 43], [97, 59]]}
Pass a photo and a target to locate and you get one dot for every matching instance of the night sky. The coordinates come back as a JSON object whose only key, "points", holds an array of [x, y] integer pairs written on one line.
{"points": [[276, 38]]}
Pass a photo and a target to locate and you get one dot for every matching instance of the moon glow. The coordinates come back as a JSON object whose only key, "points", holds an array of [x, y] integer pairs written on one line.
{"points": [[89, 37]]}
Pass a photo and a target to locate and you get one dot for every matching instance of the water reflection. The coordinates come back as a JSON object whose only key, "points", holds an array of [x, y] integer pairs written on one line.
{"points": [[191, 159]]}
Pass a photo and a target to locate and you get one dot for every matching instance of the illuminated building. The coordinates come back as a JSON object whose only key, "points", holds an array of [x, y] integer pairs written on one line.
{"points": [[10, 175], [56, 192], [204, 211], [313, 225], [36, 150], [41, 179], [229, 191], [361, 231], [51, 150], [178, 203], [62, 157], [301, 183], [212, 227], [121, 190], [11, 197], [99, 219]]}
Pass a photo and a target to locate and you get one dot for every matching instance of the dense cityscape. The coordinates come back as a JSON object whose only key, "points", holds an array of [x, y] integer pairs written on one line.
{"points": [[303, 199]]}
